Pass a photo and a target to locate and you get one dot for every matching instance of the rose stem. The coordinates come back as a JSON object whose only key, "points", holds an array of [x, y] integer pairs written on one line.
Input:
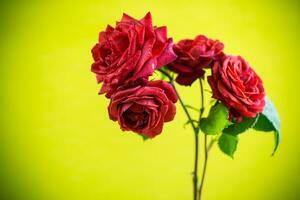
{"points": [[195, 178], [180, 100], [196, 130], [204, 168], [205, 143], [195, 172]]}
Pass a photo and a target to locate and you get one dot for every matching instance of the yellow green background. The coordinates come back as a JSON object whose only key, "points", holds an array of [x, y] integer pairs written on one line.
{"points": [[57, 142]]}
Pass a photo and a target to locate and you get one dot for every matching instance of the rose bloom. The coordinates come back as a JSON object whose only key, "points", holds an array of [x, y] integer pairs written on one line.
{"points": [[130, 51], [193, 56], [236, 84], [144, 109]]}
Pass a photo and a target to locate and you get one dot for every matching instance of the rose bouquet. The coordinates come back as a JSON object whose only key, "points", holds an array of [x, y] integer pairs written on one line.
{"points": [[126, 55]]}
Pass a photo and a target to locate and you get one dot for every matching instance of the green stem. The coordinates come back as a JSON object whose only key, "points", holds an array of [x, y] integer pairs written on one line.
{"points": [[205, 143], [211, 144], [204, 168], [195, 172], [202, 104], [185, 109], [180, 100], [196, 131]]}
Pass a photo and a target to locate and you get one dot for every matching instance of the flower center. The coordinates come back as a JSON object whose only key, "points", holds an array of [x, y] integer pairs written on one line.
{"points": [[136, 119]]}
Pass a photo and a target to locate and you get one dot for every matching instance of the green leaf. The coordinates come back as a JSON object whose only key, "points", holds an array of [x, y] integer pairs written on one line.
{"points": [[237, 128], [263, 124], [228, 144], [269, 120], [216, 120]]}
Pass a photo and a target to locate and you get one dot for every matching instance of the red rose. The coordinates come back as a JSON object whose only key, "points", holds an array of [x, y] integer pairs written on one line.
{"points": [[236, 84], [144, 109], [130, 51], [193, 56]]}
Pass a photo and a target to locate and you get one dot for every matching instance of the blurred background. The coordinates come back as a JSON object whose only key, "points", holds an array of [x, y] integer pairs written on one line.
{"points": [[57, 142]]}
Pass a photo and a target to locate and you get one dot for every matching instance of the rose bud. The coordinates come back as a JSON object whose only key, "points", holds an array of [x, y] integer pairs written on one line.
{"points": [[193, 56], [144, 109], [130, 51], [237, 86]]}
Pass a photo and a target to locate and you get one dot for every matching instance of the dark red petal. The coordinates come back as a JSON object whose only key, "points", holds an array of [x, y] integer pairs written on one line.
{"points": [[213, 86], [146, 54], [171, 112], [180, 68], [167, 55], [161, 34], [109, 29], [146, 71], [189, 78], [166, 87], [95, 52], [147, 21], [140, 29], [126, 18]]}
